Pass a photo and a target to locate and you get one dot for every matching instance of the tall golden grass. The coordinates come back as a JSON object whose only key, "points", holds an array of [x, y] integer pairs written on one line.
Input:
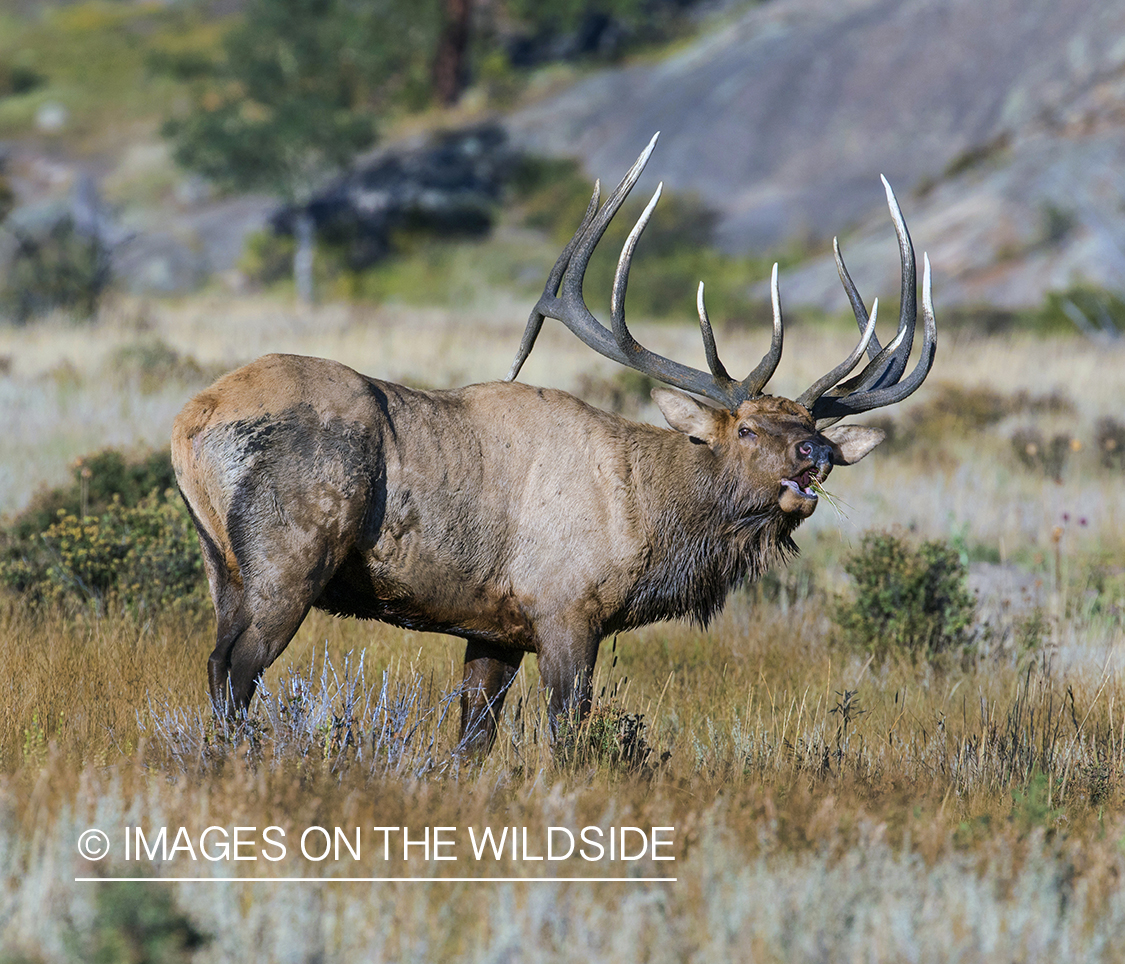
{"points": [[818, 803]]}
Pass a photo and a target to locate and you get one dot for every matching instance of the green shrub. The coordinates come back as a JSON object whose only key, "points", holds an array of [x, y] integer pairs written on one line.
{"points": [[142, 558], [7, 197], [953, 411], [98, 479], [608, 737], [1109, 440], [983, 319], [17, 79], [151, 364], [626, 392], [267, 257], [118, 534], [1081, 308], [139, 921], [1033, 451], [907, 600], [58, 268]]}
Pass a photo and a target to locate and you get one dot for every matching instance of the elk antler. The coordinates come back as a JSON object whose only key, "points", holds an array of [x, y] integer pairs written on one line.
{"points": [[828, 399], [879, 384]]}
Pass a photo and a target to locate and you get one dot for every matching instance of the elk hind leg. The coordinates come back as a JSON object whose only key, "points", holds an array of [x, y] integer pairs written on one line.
{"points": [[243, 655], [228, 597], [489, 671], [259, 613], [231, 627]]}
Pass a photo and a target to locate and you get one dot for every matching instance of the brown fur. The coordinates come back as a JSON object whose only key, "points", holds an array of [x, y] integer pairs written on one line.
{"points": [[518, 518]]}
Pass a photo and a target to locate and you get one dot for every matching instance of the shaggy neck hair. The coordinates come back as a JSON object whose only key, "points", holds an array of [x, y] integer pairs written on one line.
{"points": [[707, 533]]}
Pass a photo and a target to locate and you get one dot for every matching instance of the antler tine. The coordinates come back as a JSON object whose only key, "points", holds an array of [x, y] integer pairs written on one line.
{"points": [[716, 366], [625, 339], [756, 380], [554, 279], [719, 386], [825, 382], [908, 304], [567, 305], [828, 410], [880, 383], [877, 385], [858, 309], [584, 248], [871, 372], [875, 370], [571, 265]]}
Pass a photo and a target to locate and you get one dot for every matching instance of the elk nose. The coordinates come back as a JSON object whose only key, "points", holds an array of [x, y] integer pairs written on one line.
{"points": [[814, 451]]}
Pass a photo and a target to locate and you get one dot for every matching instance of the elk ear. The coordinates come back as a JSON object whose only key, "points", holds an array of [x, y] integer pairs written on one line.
{"points": [[685, 414], [850, 443]]}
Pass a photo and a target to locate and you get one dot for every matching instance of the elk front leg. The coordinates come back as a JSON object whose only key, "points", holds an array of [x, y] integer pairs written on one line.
{"points": [[566, 670], [489, 671]]}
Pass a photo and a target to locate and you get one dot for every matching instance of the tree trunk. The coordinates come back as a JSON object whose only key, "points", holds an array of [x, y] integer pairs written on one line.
{"points": [[305, 231], [450, 74]]}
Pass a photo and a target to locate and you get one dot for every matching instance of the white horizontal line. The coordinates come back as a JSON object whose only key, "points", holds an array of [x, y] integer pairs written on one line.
{"points": [[381, 880]]}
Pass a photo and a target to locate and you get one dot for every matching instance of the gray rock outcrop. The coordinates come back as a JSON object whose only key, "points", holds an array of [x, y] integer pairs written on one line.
{"points": [[1001, 124]]}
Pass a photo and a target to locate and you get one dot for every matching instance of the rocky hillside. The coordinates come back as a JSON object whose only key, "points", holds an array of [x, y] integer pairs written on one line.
{"points": [[1001, 124]]}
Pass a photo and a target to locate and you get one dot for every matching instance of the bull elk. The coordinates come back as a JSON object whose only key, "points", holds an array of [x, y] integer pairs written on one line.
{"points": [[520, 519]]}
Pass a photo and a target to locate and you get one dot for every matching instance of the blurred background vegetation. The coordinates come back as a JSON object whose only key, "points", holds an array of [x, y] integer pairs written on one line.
{"points": [[150, 110]]}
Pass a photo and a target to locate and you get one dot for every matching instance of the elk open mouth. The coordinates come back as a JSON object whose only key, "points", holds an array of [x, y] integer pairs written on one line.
{"points": [[797, 494]]}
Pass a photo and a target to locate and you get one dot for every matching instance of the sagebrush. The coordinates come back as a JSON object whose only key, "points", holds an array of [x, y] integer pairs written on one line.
{"points": [[907, 600], [140, 557]]}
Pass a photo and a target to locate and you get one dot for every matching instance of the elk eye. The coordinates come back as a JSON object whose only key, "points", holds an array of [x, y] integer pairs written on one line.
{"points": [[744, 431]]}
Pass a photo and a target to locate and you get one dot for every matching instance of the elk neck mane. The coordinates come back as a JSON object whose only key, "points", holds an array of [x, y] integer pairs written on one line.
{"points": [[706, 533]]}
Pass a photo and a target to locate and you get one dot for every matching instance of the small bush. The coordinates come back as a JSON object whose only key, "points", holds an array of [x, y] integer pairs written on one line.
{"points": [[139, 921], [1033, 451], [98, 479], [983, 319], [17, 79], [141, 558], [59, 268], [626, 392], [267, 257], [907, 600], [1093, 311], [955, 411], [1109, 439], [152, 364], [7, 196], [608, 737], [785, 585]]}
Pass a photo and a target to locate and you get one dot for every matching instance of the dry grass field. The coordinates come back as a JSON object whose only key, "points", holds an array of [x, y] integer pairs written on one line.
{"points": [[819, 805]]}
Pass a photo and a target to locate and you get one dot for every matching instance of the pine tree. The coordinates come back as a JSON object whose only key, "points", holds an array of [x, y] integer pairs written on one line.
{"points": [[294, 96]]}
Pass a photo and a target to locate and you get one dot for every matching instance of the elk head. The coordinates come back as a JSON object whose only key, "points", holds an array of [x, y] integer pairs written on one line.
{"points": [[780, 446]]}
